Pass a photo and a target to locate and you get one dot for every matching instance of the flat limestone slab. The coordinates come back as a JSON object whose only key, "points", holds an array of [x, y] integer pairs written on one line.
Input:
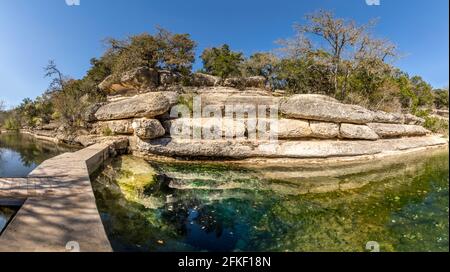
{"points": [[64, 214], [281, 149]]}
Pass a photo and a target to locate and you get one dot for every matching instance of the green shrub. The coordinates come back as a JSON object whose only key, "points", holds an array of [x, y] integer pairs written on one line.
{"points": [[106, 131], [11, 124], [436, 124], [188, 101]]}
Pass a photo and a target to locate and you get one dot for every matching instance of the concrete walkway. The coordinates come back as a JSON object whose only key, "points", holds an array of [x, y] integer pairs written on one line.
{"points": [[59, 212]]}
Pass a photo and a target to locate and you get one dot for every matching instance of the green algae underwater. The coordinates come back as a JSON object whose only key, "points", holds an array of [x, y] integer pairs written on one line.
{"points": [[401, 204]]}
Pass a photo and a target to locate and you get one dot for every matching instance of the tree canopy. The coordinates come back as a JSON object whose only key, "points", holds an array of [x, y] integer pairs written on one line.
{"points": [[222, 62]]}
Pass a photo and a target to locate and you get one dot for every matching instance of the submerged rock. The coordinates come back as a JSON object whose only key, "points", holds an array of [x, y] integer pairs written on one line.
{"points": [[134, 176]]}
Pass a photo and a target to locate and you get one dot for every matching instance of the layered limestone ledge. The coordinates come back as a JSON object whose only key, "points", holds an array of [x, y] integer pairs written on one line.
{"points": [[285, 129], [222, 149], [322, 108]]}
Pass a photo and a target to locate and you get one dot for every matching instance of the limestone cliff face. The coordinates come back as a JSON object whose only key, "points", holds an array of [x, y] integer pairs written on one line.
{"points": [[238, 118]]}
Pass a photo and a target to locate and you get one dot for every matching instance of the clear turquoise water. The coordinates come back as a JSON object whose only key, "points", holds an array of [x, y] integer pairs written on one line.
{"points": [[402, 205]]}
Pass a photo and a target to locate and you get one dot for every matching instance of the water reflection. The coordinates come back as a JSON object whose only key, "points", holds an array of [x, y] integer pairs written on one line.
{"points": [[401, 204], [21, 153], [5, 215]]}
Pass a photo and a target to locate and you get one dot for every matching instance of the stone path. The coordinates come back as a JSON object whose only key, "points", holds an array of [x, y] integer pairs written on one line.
{"points": [[59, 211]]}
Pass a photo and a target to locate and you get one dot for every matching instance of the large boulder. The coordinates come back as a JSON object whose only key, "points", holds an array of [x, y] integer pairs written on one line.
{"points": [[145, 105], [204, 80], [352, 131], [314, 108], [397, 130], [148, 128], [138, 80]]}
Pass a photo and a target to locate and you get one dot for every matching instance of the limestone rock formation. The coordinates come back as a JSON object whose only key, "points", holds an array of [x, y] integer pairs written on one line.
{"points": [[324, 130], [397, 130], [144, 105], [148, 128], [281, 149], [386, 117], [205, 128], [293, 129], [313, 108], [89, 114], [363, 132], [114, 127], [238, 118]]}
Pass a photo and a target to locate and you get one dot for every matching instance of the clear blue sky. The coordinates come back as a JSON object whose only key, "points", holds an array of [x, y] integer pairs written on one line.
{"points": [[33, 32]]}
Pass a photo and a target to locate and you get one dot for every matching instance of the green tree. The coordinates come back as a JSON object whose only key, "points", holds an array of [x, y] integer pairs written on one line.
{"points": [[422, 91], [262, 64], [164, 50], [441, 98], [222, 62]]}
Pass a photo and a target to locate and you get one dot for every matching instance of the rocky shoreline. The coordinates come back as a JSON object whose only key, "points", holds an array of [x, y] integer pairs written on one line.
{"points": [[153, 114]]}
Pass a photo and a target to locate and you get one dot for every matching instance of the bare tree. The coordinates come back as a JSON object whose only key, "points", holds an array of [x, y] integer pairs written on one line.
{"points": [[339, 44], [58, 78]]}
